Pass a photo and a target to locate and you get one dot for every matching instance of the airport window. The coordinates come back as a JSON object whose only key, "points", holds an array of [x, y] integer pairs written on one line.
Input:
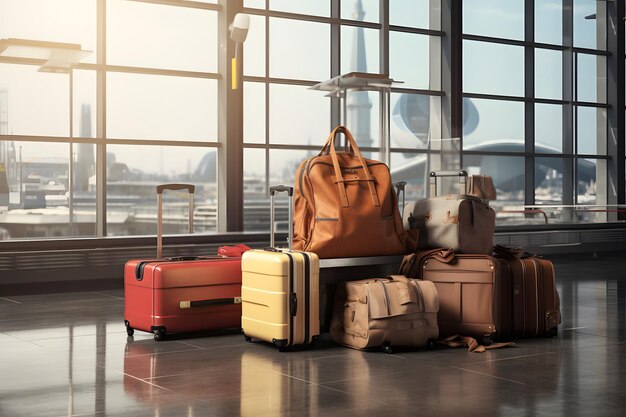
{"points": [[565, 109]]}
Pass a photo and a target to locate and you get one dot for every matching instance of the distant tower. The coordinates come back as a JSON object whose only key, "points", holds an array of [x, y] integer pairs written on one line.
{"points": [[358, 103], [85, 164]]}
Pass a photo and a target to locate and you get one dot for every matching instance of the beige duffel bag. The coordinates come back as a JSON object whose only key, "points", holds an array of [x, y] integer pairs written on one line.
{"points": [[385, 312]]}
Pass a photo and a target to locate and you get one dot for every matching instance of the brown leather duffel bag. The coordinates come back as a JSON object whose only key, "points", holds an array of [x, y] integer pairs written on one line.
{"points": [[345, 205]]}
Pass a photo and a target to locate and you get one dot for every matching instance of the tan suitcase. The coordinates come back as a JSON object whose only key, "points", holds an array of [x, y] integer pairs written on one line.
{"points": [[280, 291], [385, 313], [470, 288]]}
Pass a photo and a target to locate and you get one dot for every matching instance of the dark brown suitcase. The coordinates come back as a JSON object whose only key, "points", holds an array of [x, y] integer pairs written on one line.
{"points": [[535, 301]]}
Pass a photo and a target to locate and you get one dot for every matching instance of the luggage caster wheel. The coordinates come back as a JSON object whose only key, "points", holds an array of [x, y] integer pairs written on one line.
{"points": [[430, 345], [486, 340], [129, 330], [159, 335], [387, 349], [554, 332], [248, 338]]}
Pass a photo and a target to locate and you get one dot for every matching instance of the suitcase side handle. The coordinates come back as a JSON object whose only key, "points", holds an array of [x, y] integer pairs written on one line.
{"points": [[159, 189], [289, 191], [184, 305]]}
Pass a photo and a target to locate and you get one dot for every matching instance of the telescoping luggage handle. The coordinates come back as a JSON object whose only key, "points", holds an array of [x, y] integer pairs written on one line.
{"points": [[159, 189], [462, 174], [281, 189]]}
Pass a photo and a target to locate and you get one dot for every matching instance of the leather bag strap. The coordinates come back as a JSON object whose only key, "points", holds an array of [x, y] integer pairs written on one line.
{"points": [[330, 144], [410, 265]]}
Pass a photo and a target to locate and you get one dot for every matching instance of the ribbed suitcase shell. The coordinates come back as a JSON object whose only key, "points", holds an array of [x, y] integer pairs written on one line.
{"points": [[154, 301], [534, 298], [470, 295], [280, 299]]}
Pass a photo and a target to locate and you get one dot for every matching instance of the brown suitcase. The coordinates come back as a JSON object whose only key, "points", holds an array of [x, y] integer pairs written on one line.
{"points": [[535, 300], [469, 288]]}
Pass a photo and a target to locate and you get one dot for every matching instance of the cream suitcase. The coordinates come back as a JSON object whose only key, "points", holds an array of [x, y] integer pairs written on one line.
{"points": [[280, 291]]}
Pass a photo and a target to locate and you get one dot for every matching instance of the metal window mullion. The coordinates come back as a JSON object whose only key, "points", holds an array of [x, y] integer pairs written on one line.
{"points": [[267, 99], [101, 130], [616, 187], [529, 106], [569, 81], [336, 116]]}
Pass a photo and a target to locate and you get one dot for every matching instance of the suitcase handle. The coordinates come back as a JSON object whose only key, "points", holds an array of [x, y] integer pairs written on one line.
{"points": [[293, 304], [278, 189], [189, 187], [184, 305], [159, 189], [462, 174], [400, 188]]}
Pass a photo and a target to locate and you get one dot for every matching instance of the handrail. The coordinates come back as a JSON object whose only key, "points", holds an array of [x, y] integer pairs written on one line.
{"points": [[527, 211]]}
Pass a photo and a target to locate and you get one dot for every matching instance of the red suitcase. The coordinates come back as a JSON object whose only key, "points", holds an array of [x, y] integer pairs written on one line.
{"points": [[183, 294]]}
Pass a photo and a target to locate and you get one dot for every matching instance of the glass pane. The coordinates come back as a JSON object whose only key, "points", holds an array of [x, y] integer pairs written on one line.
{"points": [[34, 197], [591, 80], [412, 168], [415, 69], [359, 50], [132, 175], [299, 49], [591, 131], [507, 173], [499, 125], [363, 109], [161, 107], [317, 8], [37, 103], [362, 10], [253, 112], [586, 175], [68, 21], [284, 163], [548, 128], [254, 48], [549, 180], [84, 106], [590, 24], [424, 14], [298, 116], [495, 18], [157, 36], [549, 21], [255, 194], [493, 69], [254, 4], [548, 74], [415, 120]]}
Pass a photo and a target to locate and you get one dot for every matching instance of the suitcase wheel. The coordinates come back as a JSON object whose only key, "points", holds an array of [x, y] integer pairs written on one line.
{"points": [[129, 330], [430, 344], [554, 332], [248, 338], [386, 347], [159, 334], [487, 339]]}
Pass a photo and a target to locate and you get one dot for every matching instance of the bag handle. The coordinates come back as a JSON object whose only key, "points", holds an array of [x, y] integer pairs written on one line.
{"points": [[410, 283], [339, 178]]}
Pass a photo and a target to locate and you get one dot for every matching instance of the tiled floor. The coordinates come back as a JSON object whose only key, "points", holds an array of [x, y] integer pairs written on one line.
{"points": [[68, 354]]}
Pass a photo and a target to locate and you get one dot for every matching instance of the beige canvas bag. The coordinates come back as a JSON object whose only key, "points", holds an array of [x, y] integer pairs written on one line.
{"points": [[461, 222], [385, 312]]}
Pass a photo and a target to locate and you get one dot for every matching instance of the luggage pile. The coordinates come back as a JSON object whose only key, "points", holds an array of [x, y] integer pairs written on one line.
{"points": [[454, 286]]}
